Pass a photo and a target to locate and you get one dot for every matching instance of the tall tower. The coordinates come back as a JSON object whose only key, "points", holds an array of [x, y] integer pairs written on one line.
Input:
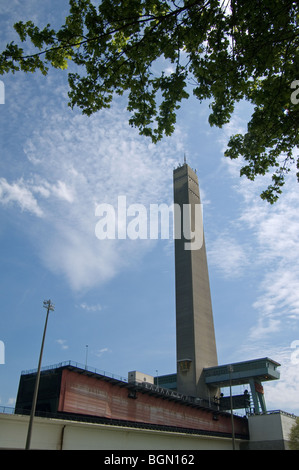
{"points": [[195, 335]]}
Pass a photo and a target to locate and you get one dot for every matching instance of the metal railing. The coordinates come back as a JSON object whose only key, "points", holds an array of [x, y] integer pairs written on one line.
{"points": [[273, 412], [7, 410], [78, 366]]}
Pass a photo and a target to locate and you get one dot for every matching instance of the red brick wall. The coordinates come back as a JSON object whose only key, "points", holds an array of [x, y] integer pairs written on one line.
{"points": [[91, 396]]}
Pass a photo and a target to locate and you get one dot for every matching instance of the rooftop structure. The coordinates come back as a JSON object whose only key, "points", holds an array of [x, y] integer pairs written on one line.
{"points": [[72, 391], [252, 372]]}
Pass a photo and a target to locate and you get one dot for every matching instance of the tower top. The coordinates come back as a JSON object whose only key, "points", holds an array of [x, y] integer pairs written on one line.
{"points": [[184, 170], [185, 164]]}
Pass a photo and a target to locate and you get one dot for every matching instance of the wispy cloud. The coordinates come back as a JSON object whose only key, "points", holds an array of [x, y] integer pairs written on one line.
{"points": [[228, 256], [283, 393], [18, 193], [70, 163], [101, 352], [91, 308], [276, 233], [62, 343], [75, 163], [271, 250]]}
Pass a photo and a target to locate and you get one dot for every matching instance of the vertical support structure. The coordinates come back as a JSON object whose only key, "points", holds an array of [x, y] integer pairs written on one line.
{"points": [[196, 344], [257, 393]]}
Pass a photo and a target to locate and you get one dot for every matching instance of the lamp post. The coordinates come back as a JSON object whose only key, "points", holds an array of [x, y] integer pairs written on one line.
{"points": [[86, 351], [230, 370], [49, 306]]}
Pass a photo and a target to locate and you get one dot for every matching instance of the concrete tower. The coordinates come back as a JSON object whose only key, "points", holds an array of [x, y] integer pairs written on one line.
{"points": [[196, 345]]}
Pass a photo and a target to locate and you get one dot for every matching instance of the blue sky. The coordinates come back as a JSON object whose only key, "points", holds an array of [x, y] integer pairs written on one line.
{"points": [[117, 296]]}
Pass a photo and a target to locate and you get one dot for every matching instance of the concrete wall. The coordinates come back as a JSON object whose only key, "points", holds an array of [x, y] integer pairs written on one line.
{"points": [[270, 431], [54, 434]]}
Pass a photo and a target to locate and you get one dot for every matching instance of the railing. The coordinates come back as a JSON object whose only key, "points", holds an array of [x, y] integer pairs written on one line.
{"points": [[240, 367], [145, 385], [172, 394], [273, 412], [7, 410], [78, 366]]}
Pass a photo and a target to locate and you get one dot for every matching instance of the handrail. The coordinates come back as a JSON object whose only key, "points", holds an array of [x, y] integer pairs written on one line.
{"points": [[79, 366]]}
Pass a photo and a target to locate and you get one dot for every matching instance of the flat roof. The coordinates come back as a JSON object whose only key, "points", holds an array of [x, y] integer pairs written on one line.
{"points": [[142, 387], [262, 369]]}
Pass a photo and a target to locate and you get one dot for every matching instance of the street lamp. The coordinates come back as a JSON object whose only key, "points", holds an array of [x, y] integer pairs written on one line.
{"points": [[49, 306], [230, 370], [86, 356]]}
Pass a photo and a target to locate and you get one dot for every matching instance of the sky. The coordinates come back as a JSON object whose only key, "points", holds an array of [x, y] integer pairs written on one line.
{"points": [[115, 299]]}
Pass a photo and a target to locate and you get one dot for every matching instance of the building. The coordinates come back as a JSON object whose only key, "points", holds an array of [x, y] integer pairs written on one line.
{"points": [[72, 392], [80, 408], [195, 335]]}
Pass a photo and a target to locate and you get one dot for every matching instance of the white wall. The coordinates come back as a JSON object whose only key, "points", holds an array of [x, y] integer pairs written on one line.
{"points": [[269, 428], [52, 434]]}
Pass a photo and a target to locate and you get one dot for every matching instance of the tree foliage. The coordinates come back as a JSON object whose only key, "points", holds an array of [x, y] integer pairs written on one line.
{"points": [[223, 50], [294, 436]]}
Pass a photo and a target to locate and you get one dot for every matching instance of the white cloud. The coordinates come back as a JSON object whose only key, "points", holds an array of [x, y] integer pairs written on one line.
{"points": [[75, 163], [265, 326], [91, 308], [276, 233], [228, 256], [63, 192], [18, 193], [22, 192], [100, 352], [270, 247], [79, 256], [281, 394], [280, 293], [69, 164], [285, 390], [11, 402], [62, 343]]}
